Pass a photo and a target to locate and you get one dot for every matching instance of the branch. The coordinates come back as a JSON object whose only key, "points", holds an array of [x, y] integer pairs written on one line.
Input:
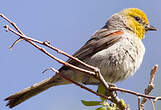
{"points": [[12, 23], [150, 86], [46, 43]]}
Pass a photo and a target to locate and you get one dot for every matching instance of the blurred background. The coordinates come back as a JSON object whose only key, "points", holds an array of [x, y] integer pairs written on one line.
{"points": [[68, 24]]}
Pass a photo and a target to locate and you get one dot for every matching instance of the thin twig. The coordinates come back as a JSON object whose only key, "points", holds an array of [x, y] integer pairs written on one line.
{"points": [[152, 102], [139, 107], [76, 83], [157, 98], [61, 61], [132, 92], [71, 57], [46, 44], [18, 40], [50, 55], [150, 85], [12, 23], [22, 35]]}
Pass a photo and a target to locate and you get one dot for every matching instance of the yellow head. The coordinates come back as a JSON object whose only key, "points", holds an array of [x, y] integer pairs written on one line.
{"points": [[137, 21]]}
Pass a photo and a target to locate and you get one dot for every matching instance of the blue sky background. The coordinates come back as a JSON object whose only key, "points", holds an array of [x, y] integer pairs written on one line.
{"points": [[68, 24]]}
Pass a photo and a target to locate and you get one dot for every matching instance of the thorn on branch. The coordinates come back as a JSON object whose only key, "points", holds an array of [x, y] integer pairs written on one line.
{"points": [[6, 27], [50, 69], [46, 42]]}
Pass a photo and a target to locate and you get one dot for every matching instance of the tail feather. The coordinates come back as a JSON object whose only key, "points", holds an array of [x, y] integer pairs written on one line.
{"points": [[29, 92]]}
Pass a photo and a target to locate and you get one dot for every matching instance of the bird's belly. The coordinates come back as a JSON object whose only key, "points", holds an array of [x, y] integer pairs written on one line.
{"points": [[118, 61]]}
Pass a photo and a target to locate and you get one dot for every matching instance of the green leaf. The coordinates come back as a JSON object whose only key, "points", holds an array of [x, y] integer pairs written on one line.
{"points": [[101, 90], [104, 103], [101, 108], [108, 108], [90, 103], [122, 103]]}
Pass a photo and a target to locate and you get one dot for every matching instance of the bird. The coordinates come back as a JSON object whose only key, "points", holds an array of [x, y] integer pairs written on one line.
{"points": [[116, 49]]}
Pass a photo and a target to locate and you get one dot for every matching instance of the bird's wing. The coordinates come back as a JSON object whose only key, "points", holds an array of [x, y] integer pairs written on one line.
{"points": [[102, 39]]}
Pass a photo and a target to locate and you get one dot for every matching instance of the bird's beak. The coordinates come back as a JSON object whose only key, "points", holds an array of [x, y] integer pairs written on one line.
{"points": [[151, 28]]}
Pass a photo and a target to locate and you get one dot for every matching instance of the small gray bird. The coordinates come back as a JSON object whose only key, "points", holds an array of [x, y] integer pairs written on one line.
{"points": [[116, 49]]}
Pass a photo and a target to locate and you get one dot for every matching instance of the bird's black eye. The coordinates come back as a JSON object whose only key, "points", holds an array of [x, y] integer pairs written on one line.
{"points": [[137, 18]]}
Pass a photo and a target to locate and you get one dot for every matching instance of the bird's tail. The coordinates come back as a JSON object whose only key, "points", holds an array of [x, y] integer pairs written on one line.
{"points": [[35, 89]]}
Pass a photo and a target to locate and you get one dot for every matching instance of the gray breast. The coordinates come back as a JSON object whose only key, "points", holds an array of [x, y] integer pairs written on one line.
{"points": [[121, 60]]}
